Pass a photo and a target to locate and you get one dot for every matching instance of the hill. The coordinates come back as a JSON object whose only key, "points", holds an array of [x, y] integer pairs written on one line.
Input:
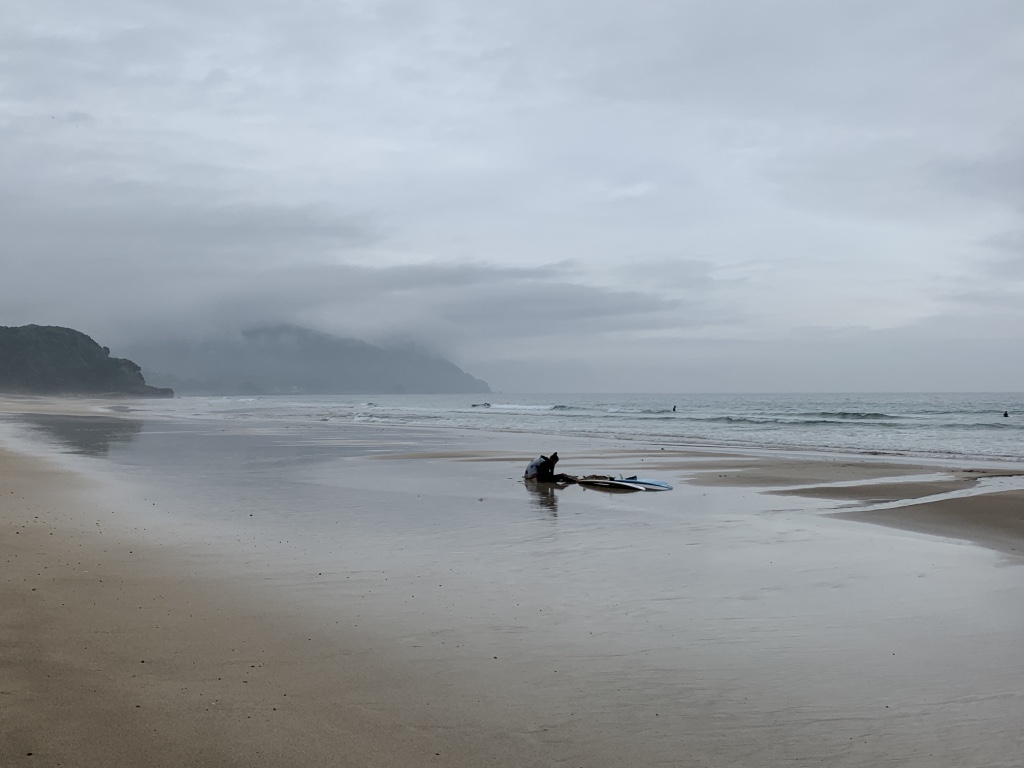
{"points": [[48, 359], [287, 359]]}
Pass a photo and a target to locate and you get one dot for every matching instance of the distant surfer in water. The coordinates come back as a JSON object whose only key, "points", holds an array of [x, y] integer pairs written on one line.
{"points": [[542, 469]]}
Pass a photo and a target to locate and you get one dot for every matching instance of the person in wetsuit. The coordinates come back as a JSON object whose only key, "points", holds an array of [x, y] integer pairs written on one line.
{"points": [[542, 469]]}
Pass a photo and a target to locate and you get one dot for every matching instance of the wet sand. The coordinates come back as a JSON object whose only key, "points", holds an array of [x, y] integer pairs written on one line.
{"points": [[994, 520], [119, 653], [775, 637], [990, 519]]}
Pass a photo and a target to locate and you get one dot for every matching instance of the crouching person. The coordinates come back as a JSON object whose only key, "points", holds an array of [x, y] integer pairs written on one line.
{"points": [[542, 470]]}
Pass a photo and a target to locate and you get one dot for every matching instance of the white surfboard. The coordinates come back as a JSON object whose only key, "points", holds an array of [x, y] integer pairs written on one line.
{"points": [[648, 483], [609, 485]]}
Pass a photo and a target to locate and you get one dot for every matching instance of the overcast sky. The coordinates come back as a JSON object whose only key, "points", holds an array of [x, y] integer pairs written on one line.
{"points": [[559, 195]]}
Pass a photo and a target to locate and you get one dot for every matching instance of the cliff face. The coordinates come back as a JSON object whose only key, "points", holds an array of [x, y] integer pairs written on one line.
{"points": [[291, 360], [48, 359]]}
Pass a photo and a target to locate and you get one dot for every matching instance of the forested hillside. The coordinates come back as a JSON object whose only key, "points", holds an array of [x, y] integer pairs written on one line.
{"points": [[48, 359]]}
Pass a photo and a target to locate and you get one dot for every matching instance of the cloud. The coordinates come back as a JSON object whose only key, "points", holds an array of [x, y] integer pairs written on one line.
{"points": [[580, 194], [995, 176]]}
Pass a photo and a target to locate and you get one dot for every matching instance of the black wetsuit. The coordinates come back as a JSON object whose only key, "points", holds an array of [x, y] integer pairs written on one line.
{"points": [[545, 468]]}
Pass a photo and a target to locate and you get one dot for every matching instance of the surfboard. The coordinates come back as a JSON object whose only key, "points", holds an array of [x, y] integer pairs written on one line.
{"points": [[607, 484], [649, 483]]}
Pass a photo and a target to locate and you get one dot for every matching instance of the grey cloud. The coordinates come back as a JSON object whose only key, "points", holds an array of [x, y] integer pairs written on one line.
{"points": [[443, 304], [1011, 242], [1002, 309], [693, 187], [915, 359], [880, 178], [1007, 261], [849, 60], [170, 232], [995, 176], [555, 308]]}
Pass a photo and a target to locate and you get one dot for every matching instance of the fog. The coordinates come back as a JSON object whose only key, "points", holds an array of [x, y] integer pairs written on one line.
{"points": [[581, 196]]}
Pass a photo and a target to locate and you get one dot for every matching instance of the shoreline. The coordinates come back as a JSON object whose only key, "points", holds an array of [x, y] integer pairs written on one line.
{"points": [[123, 648], [994, 444]]}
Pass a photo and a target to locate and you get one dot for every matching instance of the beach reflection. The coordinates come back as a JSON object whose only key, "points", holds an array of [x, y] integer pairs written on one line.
{"points": [[543, 497], [85, 435]]}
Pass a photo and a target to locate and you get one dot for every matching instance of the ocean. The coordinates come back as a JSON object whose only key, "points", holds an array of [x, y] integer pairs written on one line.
{"points": [[942, 426]]}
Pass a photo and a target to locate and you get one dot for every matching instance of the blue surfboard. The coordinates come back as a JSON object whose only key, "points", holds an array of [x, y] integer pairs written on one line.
{"points": [[649, 483]]}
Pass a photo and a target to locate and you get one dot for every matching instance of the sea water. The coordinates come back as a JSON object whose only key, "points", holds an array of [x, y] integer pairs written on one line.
{"points": [[953, 426]]}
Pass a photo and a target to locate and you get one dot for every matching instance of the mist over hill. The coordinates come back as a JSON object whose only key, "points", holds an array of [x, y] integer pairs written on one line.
{"points": [[288, 359]]}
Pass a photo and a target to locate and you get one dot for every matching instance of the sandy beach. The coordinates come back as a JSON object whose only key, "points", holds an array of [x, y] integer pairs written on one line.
{"points": [[763, 613], [119, 654]]}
